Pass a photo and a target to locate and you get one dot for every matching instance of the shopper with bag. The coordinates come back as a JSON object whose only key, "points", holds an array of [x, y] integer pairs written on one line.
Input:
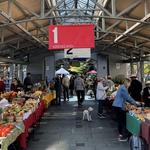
{"points": [[100, 96]]}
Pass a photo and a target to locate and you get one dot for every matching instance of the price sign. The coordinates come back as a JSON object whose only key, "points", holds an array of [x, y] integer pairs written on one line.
{"points": [[71, 36]]}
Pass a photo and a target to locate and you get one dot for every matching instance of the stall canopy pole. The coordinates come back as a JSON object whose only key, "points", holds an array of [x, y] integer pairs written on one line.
{"points": [[141, 68]]}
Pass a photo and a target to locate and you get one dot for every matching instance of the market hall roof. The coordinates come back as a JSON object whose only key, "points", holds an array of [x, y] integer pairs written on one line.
{"points": [[122, 25]]}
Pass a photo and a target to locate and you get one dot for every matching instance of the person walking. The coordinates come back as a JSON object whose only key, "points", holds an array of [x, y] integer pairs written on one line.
{"points": [[79, 87], [65, 84], [100, 96], [123, 96], [58, 89], [71, 87]]}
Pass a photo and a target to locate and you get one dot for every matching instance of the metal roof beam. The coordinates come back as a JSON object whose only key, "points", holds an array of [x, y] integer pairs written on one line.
{"points": [[9, 41], [21, 28], [102, 8], [10, 3], [23, 8], [131, 7], [53, 7], [42, 8], [113, 5], [132, 27], [72, 16], [27, 12]]}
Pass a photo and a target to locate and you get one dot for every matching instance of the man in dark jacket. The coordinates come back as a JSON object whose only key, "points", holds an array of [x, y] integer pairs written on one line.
{"points": [[146, 94], [58, 89], [135, 88], [28, 84]]}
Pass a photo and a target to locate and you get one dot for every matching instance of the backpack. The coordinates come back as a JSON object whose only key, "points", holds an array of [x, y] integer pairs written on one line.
{"points": [[137, 143]]}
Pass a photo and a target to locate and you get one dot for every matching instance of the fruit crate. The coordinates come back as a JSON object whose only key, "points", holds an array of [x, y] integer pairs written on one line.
{"points": [[133, 124]]}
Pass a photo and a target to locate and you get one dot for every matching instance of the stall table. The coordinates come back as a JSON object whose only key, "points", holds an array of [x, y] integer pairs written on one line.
{"points": [[29, 122]]}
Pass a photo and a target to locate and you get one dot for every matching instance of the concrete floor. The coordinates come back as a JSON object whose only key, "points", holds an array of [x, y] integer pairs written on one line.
{"points": [[62, 128]]}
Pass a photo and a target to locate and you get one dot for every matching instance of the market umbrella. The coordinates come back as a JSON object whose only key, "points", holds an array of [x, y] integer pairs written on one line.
{"points": [[92, 72], [62, 71]]}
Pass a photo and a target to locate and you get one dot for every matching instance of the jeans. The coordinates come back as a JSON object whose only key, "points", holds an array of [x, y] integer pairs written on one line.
{"points": [[100, 106], [80, 96]]}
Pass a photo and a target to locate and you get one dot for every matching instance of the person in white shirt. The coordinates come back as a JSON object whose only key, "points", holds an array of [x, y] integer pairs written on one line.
{"points": [[100, 96]]}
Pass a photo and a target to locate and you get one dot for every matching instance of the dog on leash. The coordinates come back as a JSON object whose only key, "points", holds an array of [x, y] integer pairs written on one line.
{"points": [[87, 114]]}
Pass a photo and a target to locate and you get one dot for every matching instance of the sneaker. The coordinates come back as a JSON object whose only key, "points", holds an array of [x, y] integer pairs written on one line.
{"points": [[101, 116], [120, 136], [123, 139]]}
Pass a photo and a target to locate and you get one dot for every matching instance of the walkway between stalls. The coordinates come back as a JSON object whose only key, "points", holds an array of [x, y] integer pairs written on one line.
{"points": [[62, 128]]}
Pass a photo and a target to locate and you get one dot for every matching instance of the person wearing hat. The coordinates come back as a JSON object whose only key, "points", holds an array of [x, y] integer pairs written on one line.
{"points": [[135, 88], [146, 94]]}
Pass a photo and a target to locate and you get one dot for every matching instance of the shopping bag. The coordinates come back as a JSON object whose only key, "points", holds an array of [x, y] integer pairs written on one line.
{"points": [[137, 143]]}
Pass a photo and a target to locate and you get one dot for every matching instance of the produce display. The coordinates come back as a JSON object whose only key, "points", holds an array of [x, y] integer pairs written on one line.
{"points": [[16, 110], [30, 104], [20, 106], [140, 112], [5, 129], [9, 95], [37, 94]]}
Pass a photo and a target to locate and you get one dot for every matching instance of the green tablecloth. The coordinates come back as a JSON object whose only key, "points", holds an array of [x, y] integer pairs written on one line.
{"points": [[133, 124], [11, 137]]}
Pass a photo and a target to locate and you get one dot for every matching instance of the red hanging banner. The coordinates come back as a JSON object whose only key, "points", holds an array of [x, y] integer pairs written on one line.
{"points": [[71, 36]]}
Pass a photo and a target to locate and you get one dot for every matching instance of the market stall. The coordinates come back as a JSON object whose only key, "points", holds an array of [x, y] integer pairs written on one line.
{"points": [[19, 112]]}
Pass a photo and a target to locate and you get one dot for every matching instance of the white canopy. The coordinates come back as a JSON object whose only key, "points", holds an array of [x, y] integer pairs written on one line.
{"points": [[62, 71]]}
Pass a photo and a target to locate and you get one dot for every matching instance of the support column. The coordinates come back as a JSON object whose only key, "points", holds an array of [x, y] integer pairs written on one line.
{"points": [[132, 67], [113, 5], [142, 71]]}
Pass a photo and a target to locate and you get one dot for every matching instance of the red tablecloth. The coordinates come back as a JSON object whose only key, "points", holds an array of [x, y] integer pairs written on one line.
{"points": [[32, 120]]}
